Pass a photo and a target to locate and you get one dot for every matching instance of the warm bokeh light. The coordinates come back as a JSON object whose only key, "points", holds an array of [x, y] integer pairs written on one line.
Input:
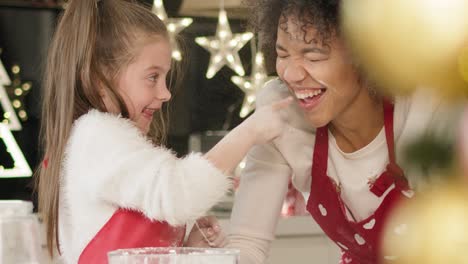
{"points": [[408, 44]]}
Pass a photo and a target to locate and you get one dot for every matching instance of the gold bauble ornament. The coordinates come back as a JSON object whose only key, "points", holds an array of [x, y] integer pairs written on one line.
{"points": [[431, 228], [406, 45], [463, 143], [463, 63]]}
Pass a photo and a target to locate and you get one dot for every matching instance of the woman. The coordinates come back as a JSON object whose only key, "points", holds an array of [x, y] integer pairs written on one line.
{"points": [[343, 143]]}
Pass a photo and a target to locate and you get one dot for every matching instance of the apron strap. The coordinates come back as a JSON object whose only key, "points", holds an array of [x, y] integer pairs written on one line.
{"points": [[388, 124], [320, 159], [393, 170]]}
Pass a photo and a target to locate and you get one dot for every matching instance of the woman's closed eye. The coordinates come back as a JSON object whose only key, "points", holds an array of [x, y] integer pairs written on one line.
{"points": [[282, 56], [314, 59]]}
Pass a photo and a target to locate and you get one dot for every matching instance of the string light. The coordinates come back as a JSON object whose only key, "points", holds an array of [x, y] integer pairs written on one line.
{"points": [[174, 27], [224, 47], [252, 84], [17, 93]]}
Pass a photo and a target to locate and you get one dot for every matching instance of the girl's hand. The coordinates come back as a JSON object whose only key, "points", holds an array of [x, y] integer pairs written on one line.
{"points": [[266, 122], [207, 233]]}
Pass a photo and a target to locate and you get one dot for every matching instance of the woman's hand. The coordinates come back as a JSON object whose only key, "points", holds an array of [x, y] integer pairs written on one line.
{"points": [[206, 232]]}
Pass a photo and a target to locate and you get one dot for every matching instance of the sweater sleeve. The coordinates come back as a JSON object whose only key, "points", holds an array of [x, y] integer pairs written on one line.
{"points": [[259, 199], [258, 203], [109, 160]]}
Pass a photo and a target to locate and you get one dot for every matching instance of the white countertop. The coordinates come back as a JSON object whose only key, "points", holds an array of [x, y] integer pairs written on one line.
{"points": [[290, 226], [299, 240]]}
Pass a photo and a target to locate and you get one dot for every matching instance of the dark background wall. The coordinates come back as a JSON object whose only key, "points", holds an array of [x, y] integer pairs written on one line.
{"points": [[198, 105], [24, 38]]}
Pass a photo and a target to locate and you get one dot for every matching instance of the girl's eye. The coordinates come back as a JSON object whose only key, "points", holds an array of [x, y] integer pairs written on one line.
{"points": [[153, 78]]}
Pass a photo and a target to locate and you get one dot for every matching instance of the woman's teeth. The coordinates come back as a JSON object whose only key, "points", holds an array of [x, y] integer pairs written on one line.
{"points": [[302, 95]]}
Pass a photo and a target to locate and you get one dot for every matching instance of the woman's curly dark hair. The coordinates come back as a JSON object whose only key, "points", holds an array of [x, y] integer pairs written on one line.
{"points": [[267, 15]]}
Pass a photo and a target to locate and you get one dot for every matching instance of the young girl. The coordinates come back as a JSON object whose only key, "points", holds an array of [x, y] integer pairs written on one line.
{"points": [[105, 185]]}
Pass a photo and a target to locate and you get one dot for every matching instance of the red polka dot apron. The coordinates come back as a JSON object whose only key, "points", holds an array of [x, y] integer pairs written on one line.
{"points": [[130, 229], [359, 241]]}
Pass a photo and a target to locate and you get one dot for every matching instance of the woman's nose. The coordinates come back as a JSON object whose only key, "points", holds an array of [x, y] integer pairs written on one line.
{"points": [[294, 73]]}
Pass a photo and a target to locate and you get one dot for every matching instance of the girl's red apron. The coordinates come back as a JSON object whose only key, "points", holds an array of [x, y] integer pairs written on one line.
{"points": [[359, 241], [130, 229]]}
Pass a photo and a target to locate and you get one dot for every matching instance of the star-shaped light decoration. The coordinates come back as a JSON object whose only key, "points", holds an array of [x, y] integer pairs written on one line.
{"points": [[224, 47], [252, 84], [9, 115], [174, 27], [20, 167]]}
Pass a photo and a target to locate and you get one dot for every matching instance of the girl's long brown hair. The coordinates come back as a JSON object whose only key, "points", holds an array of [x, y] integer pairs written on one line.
{"points": [[93, 42]]}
